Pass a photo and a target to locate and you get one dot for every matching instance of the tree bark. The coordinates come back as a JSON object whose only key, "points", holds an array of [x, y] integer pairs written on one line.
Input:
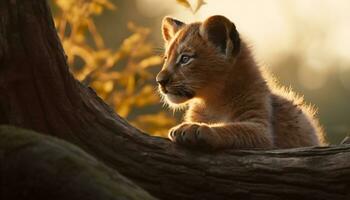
{"points": [[60, 171], [38, 92]]}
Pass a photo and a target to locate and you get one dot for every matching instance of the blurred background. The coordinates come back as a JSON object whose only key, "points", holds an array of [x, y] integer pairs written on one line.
{"points": [[114, 46]]}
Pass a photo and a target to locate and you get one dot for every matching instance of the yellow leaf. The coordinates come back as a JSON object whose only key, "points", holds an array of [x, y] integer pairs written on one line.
{"points": [[109, 76], [184, 3], [130, 85], [146, 96], [106, 4], [123, 110], [150, 61], [200, 3], [108, 86], [65, 4], [79, 37], [143, 50], [96, 8], [138, 29], [130, 42]]}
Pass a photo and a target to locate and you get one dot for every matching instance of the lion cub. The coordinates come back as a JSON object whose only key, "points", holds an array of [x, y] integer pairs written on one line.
{"points": [[231, 104]]}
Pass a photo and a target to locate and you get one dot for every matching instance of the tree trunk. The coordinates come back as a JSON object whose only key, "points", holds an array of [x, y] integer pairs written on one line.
{"points": [[60, 171], [38, 92]]}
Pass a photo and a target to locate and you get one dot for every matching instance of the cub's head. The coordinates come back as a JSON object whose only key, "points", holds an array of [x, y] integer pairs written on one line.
{"points": [[196, 57]]}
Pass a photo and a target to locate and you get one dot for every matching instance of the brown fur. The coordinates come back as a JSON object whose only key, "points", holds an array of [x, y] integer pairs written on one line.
{"points": [[231, 102]]}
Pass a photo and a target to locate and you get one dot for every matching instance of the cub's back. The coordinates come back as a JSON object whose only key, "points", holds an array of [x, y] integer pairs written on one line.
{"points": [[294, 124]]}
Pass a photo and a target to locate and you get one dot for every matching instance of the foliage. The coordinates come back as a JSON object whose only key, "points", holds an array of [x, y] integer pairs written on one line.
{"points": [[122, 77], [192, 6]]}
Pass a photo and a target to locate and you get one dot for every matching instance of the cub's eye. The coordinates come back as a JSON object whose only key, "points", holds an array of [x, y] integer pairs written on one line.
{"points": [[185, 59]]}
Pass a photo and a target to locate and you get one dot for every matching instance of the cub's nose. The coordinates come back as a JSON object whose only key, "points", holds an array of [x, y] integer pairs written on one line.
{"points": [[162, 78]]}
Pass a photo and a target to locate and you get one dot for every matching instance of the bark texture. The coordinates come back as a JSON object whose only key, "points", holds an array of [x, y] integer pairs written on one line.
{"points": [[38, 92], [37, 167]]}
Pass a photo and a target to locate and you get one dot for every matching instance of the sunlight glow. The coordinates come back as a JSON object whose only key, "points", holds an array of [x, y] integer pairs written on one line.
{"points": [[276, 27]]}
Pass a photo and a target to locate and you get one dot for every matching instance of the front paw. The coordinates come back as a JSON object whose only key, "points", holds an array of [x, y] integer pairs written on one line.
{"points": [[193, 135]]}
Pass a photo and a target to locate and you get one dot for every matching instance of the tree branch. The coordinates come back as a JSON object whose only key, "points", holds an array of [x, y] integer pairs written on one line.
{"points": [[35, 166]]}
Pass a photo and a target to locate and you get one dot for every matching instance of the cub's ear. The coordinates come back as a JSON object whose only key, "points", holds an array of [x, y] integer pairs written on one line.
{"points": [[222, 33], [169, 27]]}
